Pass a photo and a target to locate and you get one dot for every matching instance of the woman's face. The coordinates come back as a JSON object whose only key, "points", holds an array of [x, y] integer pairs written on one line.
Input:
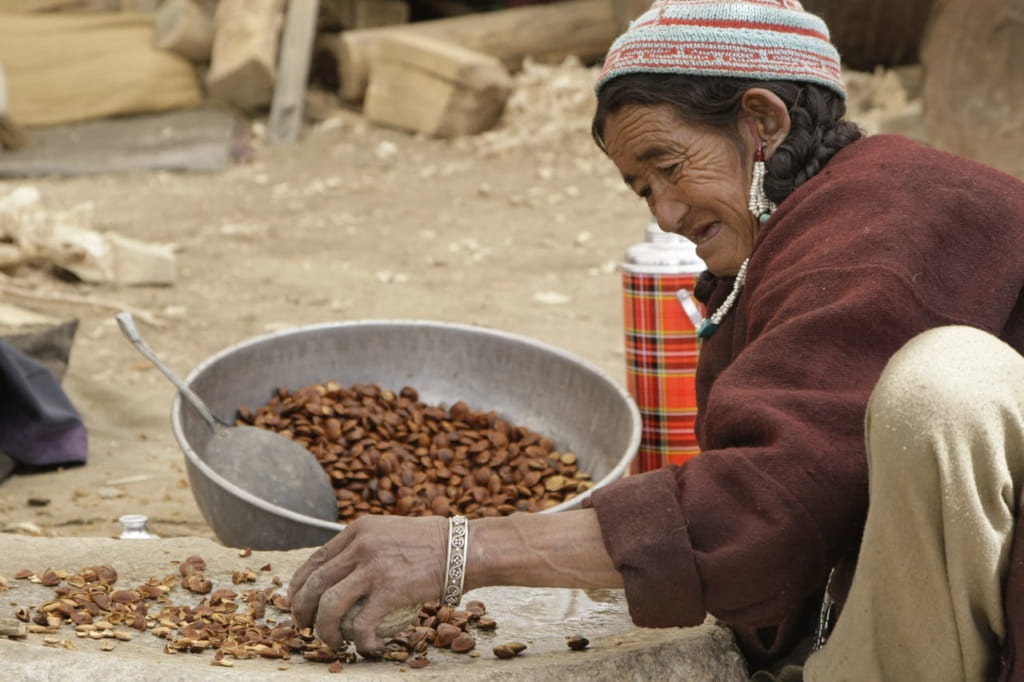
{"points": [[695, 180]]}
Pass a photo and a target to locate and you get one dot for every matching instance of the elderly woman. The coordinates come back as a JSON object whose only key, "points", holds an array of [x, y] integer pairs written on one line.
{"points": [[865, 299]]}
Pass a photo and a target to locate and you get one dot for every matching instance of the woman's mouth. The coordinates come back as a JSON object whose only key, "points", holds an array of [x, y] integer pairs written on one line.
{"points": [[706, 234]]}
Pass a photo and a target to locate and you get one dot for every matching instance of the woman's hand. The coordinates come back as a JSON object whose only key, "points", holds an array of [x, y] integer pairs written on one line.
{"points": [[397, 561], [393, 562]]}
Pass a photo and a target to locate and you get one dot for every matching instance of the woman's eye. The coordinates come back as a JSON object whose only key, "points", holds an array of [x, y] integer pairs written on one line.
{"points": [[670, 170]]}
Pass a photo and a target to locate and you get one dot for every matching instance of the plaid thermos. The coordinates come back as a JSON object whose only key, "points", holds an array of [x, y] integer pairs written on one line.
{"points": [[661, 344]]}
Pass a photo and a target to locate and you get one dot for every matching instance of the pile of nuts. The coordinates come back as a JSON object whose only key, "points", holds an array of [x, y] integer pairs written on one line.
{"points": [[234, 624], [440, 626], [392, 454]]}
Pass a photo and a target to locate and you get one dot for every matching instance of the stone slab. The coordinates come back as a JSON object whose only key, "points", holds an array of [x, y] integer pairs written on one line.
{"points": [[186, 140], [540, 617]]}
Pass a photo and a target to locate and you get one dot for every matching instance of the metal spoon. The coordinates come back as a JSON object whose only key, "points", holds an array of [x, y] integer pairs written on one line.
{"points": [[270, 466]]}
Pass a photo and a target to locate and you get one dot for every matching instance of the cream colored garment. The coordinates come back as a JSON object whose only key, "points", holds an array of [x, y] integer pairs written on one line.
{"points": [[945, 441]]}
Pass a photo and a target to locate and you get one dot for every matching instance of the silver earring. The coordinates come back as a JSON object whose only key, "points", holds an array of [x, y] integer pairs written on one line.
{"points": [[759, 204]]}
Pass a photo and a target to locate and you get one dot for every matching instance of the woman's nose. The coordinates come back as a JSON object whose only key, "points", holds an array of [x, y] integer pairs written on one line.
{"points": [[668, 212]]}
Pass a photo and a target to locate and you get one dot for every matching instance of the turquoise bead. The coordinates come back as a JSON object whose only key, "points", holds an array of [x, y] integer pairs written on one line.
{"points": [[707, 328]]}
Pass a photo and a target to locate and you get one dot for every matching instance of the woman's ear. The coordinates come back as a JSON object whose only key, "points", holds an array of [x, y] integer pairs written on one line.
{"points": [[769, 114]]}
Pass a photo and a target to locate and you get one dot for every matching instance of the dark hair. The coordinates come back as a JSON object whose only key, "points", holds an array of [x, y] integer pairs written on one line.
{"points": [[817, 128]]}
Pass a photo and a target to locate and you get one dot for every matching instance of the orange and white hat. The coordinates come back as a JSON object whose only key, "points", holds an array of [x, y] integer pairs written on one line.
{"points": [[759, 39]]}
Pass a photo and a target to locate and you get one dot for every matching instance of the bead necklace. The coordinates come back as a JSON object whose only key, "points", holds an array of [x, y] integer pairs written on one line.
{"points": [[710, 324]]}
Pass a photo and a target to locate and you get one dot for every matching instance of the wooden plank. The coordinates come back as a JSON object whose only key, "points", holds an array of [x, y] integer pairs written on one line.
{"points": [[584, 28], [426, 85], [293, 71]]}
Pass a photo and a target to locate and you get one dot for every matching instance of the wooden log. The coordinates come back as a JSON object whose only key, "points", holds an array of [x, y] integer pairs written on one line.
{"points": [[353, 14], [293, 71], [65, 66], [421, 84], [973, 83], [870, 33], [243, 62], [547, 33], [184, 28]]}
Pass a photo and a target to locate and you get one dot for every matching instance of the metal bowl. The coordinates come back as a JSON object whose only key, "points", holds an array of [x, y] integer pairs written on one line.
{"points": [[525, 382]]}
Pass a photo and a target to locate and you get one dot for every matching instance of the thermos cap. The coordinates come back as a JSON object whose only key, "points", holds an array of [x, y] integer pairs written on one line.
{"points": [[654, 233], [663, 252]]}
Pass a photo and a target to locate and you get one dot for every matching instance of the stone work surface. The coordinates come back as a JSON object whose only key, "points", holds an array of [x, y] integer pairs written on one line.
{"points": [[541, 618]]}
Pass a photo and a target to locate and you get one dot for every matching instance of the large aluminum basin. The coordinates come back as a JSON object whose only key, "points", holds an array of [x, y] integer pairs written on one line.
{"points": [[526, 382]]}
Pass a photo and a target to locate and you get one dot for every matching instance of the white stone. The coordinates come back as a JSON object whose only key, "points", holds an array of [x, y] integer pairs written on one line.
{"points": [[551, 298]]}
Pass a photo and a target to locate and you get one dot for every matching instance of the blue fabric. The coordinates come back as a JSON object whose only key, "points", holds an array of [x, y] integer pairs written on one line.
{"points": [[39, 426]]}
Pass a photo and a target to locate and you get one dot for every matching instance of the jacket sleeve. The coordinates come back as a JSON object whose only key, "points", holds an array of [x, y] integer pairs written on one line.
{"points": [[748, 530]]}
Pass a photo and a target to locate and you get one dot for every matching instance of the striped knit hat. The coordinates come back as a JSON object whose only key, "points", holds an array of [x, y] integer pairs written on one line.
{"points": [[760, 39]]}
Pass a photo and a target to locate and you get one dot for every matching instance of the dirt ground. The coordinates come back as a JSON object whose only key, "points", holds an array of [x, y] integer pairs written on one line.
{"points": [[519, 229]]}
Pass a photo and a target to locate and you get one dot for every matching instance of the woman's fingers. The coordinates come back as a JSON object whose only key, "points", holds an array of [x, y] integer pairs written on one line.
{"points": [[325, 567], [366, 623], [308, 599], [334, 602], [393, 562], [322, 555]]}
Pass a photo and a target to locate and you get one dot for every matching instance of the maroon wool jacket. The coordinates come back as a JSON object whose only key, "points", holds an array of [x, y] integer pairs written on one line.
{"points": [[888, 240]]}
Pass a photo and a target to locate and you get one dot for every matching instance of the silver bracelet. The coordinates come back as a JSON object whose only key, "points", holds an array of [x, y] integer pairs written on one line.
{"points": [[458, 543]]}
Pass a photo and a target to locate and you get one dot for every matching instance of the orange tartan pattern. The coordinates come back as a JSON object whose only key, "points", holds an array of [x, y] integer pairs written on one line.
{"points": [[661, 360]]}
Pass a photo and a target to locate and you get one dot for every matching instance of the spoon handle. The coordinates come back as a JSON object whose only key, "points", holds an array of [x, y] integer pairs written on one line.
{"points": [[131, 332]]}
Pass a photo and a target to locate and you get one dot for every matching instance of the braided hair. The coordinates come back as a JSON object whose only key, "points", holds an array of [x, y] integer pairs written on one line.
{"points": [[817, 127]]}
